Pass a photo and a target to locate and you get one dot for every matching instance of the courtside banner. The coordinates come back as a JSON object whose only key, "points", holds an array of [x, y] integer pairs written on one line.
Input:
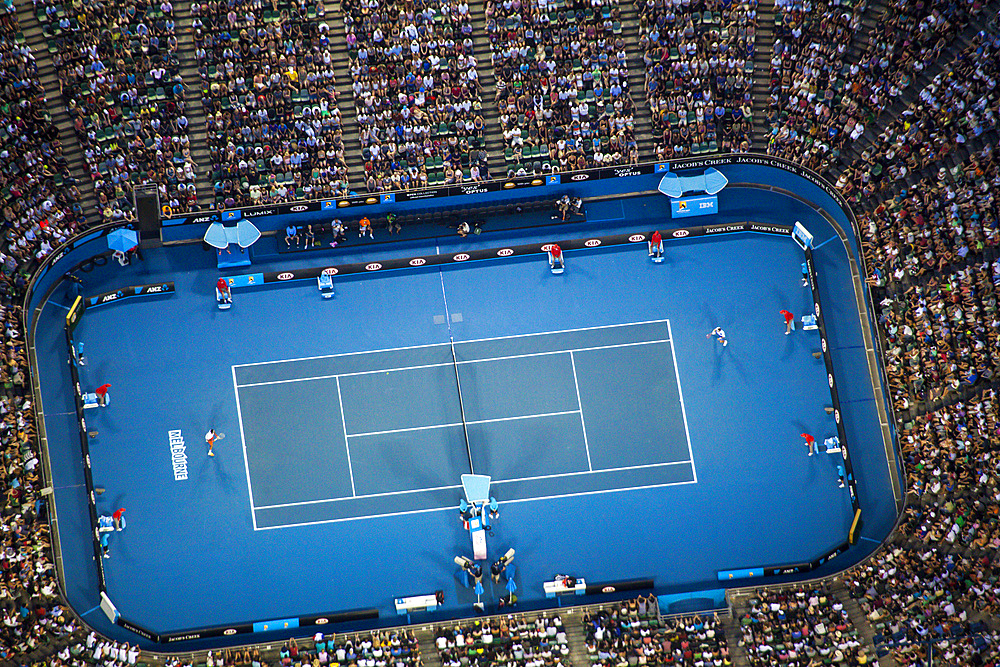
{"points": [[689, 207], [126, 292], [252, 280], [832, 382]]}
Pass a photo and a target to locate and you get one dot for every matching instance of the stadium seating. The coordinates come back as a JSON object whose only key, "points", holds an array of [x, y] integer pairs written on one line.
{"points": [[562, 91], [274, 129], [417, 91], [512, 640], [800, 624], [806, 118], [41, 208], [126, 98], [699, 60], [922, 183]]}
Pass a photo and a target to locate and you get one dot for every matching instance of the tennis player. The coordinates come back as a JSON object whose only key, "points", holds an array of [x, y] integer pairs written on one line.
{"points": [[210, 438], [718, 332]]}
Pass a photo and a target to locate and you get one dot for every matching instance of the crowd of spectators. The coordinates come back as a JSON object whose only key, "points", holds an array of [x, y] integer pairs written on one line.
{"points": [[511, 641], [944, 220], [904, 40], [798, 626], [699, 62], [807, 122], [119, 75], [952, 450], [917, 596], [40, 200], [953, 110], [416, 86], [268, 73], [40, 209], [941, 335], [633, 634], [562, 88]]}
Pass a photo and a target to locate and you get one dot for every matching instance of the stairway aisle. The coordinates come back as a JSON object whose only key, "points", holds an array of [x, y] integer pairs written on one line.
{"points": [[763, 49], [858, 619], [345, 99], [645, 131], [731, 622], [38, 43], [194, 108], [493, 133], [429, 656]]}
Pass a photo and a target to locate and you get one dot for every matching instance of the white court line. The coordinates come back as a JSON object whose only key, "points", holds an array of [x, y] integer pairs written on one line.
{"points": [[466, 342], [460, 363], [592, 472], [575, 349], [347, 444], [452, 508], [579, 403], [323, 501], [560, 331], [246, 460], [680, 395], [344, 375], [474, 421], [363, 495], [403, 430]]}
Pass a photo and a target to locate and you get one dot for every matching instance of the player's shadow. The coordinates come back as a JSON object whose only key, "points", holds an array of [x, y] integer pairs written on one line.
{"points": [[215, 467]]}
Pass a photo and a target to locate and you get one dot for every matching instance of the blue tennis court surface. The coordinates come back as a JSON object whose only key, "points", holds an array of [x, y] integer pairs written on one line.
{"points": [[548, 415], [589, 398]]}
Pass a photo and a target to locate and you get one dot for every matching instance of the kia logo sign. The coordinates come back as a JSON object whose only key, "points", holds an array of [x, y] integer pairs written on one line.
{"points": [[418, 261], [593, 243], [461, 257], [374, 266], [547, 247], [286, 276], [371, 200], [635, 238], [230, 631], [579, 177], [680, 233], [322, 621], [297, 209], [504, 252], [331, 271], [608, 589]]}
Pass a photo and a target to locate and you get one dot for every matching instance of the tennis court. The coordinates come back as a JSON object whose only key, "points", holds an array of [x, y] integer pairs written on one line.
{"points": [[590, 398], [546, 415]]}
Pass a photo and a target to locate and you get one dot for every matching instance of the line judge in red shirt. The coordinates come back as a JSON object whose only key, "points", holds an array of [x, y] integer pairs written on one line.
{"points": [[810, 443], [556, 256], [656, 244], [789, 321]]}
